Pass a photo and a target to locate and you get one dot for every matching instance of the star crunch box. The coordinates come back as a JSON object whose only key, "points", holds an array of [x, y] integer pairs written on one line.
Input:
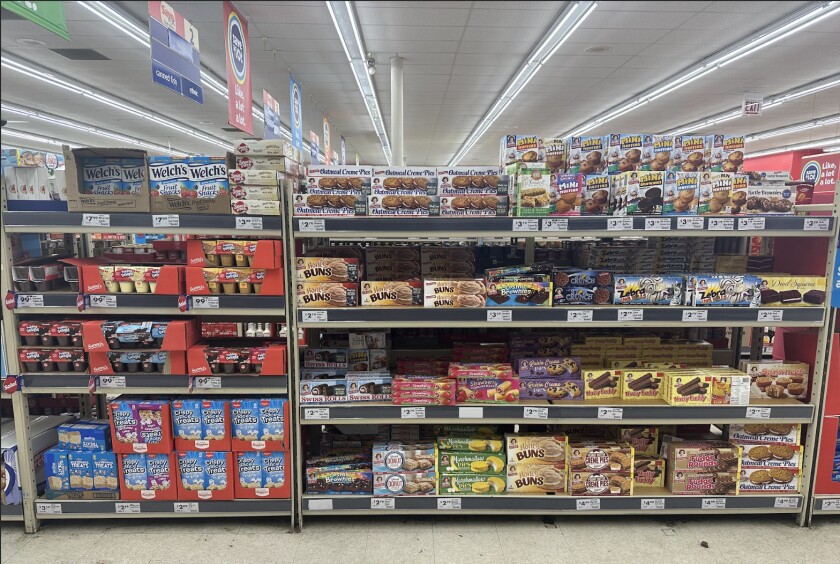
{"points": [[94, 180]]}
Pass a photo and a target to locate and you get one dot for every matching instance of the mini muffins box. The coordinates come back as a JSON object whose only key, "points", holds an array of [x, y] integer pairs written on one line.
{"points": [[771, 456], [649, 290], [466, 484], [327, 294], [765, 433], [403, 206], [687, 387], [338, 179], [769, 480], [471, 181], [694, 152], [588, 155], [602, 483], [629, 151], [327, 269], [556, 154], [388, 294], [521, 149], [797, 291], [533, 190], [533, 448], [663, 148], [682, 191], [715, 193], [335, 205], [545, 479], [643, 193], [596, 195], [454, 293], [728, 153], [649, 472], [642, 385], [600, 384], [519, 294], [487, 390], [567, 194], [410, 180]]}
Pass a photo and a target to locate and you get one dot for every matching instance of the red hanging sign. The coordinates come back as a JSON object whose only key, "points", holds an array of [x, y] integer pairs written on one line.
{"points": [[238, 57]]}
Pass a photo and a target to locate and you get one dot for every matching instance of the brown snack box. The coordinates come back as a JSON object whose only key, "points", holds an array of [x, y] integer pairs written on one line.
{"points": [[777, 380], [707, 456], [687, 387], [771, 456], [546, 479], [649, 472], [397, 293], [599, 384], [642, 384], [604, 483], [327, 269], [454, 293], [764, 480], [687, 482], [599, 456], [327, 294], [765, 433], [643, 439], [536, 449]]}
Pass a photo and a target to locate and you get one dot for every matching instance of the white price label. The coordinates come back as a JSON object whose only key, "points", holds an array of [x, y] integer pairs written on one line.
{"points": [[96, 220], [311, 225], [526, 224], [320, 505], [653, 503], [695, 315], [205, 302], [657, 224], [593, 504], [127, 507], [713, 503], [690, 223], [413, 413], [770, 315], [111, 382], [103, 300], [631, 314], [610, 412], [449, 503], [382, 503], [169, 220], [620, 224], [831, 504], [208, 382], [535, 412], [30, 300], [499, 315], [786, 503], [316, 413], [48, 508], [555, 224], [750, 223], [470, 413], [186, 507], [313, 316], [816, 224], [579, 315], [249, 222], [721, 223], [758, 413]]}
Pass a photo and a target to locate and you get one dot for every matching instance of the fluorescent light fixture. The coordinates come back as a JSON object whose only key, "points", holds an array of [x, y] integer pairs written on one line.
{"points": [[772, 102], [796, 22], [795, 128], [78, 126], [344, 19], [35, 71], [38, 138], [829, 143], [564, 26]]}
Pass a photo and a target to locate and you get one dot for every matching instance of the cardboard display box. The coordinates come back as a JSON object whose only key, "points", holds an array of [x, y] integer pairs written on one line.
{"points": [[80, 201]]}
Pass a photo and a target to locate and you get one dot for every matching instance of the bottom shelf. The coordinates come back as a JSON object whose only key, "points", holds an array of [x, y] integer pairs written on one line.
{"points": [[11, 513], [652, 501], [101, 509], [827, 505]]}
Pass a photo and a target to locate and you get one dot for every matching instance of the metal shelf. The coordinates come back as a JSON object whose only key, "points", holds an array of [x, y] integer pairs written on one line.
{"points": [[151, 304], [827, 504], [570, 412], [198, 224], [11, 513], [664, 503], [74, 383], [101, 509], [601, 317], [587, 226]]}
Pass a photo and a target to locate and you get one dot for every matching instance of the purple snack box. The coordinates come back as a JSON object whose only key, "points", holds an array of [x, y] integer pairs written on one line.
{"points": [[555, 367], [550, 389]]}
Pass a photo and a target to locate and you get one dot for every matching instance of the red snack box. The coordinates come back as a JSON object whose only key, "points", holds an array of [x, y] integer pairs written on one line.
{"points": [[147, 477], [168, 279], [422, 401], [271, 280], [261, 475], [500, 371], [487, 390], [264, 253], [137, 424], [103, 363], [190, 422], [268, 360], [180, 335], [205, 475]]}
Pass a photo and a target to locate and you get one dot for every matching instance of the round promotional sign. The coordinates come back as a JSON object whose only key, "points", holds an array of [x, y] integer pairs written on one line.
{"points": [[297, 117], [237, 49], [811, 172]]}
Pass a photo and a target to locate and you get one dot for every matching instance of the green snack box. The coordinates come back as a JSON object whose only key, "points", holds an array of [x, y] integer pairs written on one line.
{"points": [[471, 444], [470, 484], [470, 463]]}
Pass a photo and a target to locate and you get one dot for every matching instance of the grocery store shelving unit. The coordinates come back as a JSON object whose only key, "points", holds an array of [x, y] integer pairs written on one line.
{"points": [[651, 501], [33, 509]]}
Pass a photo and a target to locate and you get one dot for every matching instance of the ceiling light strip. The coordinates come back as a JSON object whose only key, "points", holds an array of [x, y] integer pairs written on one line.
{"points": [[570, 19], [824, 143], [38, 138], [346, 24], [794, 23], [772, 102], [56, 120]]}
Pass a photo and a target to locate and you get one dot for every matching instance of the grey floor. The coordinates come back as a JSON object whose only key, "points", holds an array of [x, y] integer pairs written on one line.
{"points": [[623, 540]]}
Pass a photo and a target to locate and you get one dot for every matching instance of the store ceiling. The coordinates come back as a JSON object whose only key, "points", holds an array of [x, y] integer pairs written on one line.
{"points": [[458, 58]]}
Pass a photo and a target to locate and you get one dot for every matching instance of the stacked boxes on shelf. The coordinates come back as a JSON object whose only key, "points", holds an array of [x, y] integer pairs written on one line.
{"points": [[536, 463], [471, 462], [598, 468], [404, 469], [771, 457], [233, 266], [51, 346], [257, 171], [82, 465], [189, 185], [138, 346]]}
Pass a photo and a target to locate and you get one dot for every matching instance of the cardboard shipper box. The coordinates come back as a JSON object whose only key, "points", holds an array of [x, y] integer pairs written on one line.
{"points": [[95, 183]]}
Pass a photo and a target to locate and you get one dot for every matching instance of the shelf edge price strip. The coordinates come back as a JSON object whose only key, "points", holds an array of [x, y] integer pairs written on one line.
{"points": [[695, 315], [208, 382], [830, 505], [205, 302], [721, 224], [694, 223], [535, 412], [103, 300], [657, 503], [449, 503], [750, 223], [620, 224], [526, 225], [29, 300], [311, 225], [610, 413], [631, 315], [316, 412], [499, 315], [713, 503], [249, 222], [122, 507], [413, 413], [555, 224], [112, 382], [770, 315], [657, 224], [313, 316], [48, 508], [185, 507], [383, 503], [168, 220], [758, 413], [786, 503], [816, 224], [96, 220], [579, 315], [593, 504]]}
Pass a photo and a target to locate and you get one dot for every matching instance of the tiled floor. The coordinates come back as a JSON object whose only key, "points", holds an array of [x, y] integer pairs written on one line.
{"points": [[520, 540]]}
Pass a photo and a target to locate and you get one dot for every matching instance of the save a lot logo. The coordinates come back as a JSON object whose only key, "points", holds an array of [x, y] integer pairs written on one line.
{"points": [[297, 113], [811, 172], [237, 48]]}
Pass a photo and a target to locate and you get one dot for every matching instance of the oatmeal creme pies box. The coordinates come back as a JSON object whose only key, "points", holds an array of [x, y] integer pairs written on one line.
{"points": [[409, 180], [469, 181]]}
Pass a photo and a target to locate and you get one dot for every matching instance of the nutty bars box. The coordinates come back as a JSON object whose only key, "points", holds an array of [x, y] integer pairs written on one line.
{"points": [[649, 472], [409, 180], [600, 384], [641, 385]]}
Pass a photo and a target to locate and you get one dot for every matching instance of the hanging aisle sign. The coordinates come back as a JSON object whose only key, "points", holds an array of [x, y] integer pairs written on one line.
{"points": [[271, 113], [176, 60], [327, 148], [343, 151], [49, 15], [296, 113], [313, 148], [238, 57], [835, 287]]}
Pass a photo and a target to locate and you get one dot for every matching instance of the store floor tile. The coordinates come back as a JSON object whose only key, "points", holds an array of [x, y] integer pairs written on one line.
{"points": [[515, 539]]}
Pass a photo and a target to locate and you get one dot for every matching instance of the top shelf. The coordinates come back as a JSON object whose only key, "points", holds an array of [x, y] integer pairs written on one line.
{"points": [[581, 226], [188, 224]]}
